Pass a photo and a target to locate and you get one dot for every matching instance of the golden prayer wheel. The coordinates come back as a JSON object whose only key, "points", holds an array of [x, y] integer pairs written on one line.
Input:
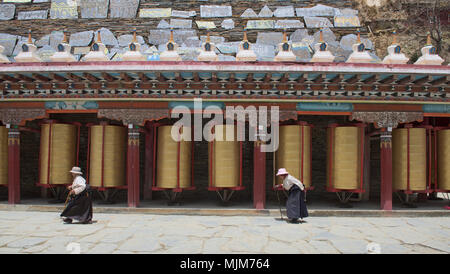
{"points": [[443, 159], [173, 159], [345, 158], [3, 155], [409, 159], [58, 153], [294, 152], [107, 156], [225, 158]]}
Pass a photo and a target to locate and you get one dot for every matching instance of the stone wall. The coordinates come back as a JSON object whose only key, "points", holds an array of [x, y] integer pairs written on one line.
{"points": [[191, 20]]}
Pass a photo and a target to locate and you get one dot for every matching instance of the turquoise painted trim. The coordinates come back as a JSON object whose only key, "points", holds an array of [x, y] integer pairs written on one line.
{"points": [[190, 105], [307, 106], [71, 105], [427, 108]]}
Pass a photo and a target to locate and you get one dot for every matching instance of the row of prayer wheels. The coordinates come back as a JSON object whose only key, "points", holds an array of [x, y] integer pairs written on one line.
{"points": [[420, 156]]}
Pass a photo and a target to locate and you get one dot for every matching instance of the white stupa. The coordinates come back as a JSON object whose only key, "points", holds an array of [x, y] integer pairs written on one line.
{"points": [[245, 53], [208, 52], [3, 58], [321, 52], [429, 55], [98, 51], [134, 51], [285, 53], [63, 53], [170, 54], [394, 53], [359, 55], [28, 52]]}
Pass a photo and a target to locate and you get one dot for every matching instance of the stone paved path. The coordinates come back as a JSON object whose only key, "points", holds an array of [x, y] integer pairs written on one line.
{"points": [[44, 232]]}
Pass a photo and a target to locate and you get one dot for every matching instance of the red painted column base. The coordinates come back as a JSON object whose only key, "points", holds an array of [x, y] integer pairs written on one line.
{"points": [[259, 177], [133, 167], [13, 166], [386, 171]]}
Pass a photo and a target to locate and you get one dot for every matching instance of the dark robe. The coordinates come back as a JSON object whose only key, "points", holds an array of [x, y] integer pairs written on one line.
{"points": [[79, 207], [295, 205]]}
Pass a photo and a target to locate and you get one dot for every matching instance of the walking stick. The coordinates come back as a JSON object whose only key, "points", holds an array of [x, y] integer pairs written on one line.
{"points": [[279, 204]]}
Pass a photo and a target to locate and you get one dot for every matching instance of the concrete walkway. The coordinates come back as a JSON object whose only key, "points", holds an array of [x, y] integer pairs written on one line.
{"points": [[44, 232]]}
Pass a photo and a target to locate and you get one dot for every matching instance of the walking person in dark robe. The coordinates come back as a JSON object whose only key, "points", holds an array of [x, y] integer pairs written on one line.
{"points": [[79, 206], [295, 205]]}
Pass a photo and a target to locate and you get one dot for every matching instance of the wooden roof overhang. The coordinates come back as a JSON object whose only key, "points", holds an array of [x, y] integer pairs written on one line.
{"points": [[223, 81]]}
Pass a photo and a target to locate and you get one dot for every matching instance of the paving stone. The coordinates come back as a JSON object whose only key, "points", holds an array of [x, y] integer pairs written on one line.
{"points": [[350, 246], [393, 249], [102, 249], [405, 235], [323, 247], [27, 242], [140, 245], [5, 239], [247, 244], [10, 250], [276, 247], [215, 245], [439, 245], [305, 248], [189, 246]]}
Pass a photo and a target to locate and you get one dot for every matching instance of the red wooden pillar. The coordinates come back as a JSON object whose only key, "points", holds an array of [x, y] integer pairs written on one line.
{"points": [[386, 170], [259, 177], [13, 166], [148, 181], [133, 166]]}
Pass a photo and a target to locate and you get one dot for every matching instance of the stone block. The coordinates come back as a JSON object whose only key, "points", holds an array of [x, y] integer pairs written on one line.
{"points": [[317, 22], [183, 14], [348, 40], [155, 13], [7, 11], [249, 13], [180, 24], [163, 24], [123, 8], [298, 35], [286, 11], [8, 41], [94, 8], [205, 24], [265, 12], [214, 39], [264, 52], [107, 36], [260, 24], [125, 40], [215, 11], [228, 47], [45, 53], [318, 10], [269, 38], [81, 39], [289, 24], [32, 15], [346, 21], [228, 24], [63, 9]]}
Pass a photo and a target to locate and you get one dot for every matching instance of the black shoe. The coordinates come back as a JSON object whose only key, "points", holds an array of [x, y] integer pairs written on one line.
{"points": [[67, 220], [86, 222], [293, 221]]}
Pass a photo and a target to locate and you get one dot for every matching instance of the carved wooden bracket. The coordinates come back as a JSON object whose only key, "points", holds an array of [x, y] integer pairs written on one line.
{"points": [[387, 118], [18, 116], [133, 116]]}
